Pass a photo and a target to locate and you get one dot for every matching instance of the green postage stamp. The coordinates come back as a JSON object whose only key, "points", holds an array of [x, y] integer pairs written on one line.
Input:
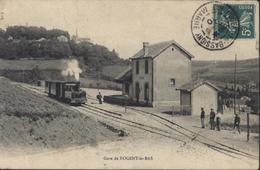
{"points": [[216, 25], [244, 13]]}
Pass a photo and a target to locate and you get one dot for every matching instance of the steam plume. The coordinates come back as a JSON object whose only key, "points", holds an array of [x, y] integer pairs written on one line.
{"points": [[72, 69]]}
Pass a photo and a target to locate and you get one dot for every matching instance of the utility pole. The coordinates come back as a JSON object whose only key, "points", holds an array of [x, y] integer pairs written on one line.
{"points": [[23, 75], [235, 84], [248, 111], [126, 102], [248, 126], [98, 75]]}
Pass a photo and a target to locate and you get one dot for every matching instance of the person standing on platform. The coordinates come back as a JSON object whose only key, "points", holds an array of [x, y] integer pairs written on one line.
{"points": [[237, 123], [212, 119], [218, 121], [99, 97], [202, 117]]}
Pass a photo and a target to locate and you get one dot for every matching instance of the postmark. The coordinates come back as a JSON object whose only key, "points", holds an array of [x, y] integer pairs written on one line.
{"points": [[215, 33]]}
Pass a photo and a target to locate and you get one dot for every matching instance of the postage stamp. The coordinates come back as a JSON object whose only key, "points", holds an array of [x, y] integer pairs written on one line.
{"points": [[215, 25], [245, 14]]}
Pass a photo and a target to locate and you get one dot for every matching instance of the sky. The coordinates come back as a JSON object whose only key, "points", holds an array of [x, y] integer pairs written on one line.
{"points": [[124, 25]]}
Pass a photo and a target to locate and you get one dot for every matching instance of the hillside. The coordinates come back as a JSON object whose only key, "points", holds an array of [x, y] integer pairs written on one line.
{"points": [[28, 120], [30, 42], [218, 71], [223, 71], [26, 64]]}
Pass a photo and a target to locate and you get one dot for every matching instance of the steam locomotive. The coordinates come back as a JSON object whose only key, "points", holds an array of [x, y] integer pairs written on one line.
{"points": [[66, 91]]}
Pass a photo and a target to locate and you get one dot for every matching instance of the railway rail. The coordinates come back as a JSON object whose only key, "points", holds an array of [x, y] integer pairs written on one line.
{"points": [[213, 144], [173, 127], [117, 118]]}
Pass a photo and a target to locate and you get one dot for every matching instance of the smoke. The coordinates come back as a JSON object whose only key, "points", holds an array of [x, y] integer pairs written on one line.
{"points": [[72, 69]]}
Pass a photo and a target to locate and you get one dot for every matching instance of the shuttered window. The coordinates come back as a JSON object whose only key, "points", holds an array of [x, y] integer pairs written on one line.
{"points": [[146, 67], [137, 67]]}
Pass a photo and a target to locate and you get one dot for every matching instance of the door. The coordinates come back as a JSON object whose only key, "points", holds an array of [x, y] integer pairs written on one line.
{"points": [[127, 88], [137, 92], [58, 90], [146, 93]]}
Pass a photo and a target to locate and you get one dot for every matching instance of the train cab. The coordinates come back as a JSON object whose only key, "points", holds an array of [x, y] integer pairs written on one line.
{"points": [[69, 92]]}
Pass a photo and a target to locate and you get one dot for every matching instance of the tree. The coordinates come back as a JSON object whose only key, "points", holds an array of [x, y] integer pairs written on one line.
{"points": [[38, 42], [36, 74]]}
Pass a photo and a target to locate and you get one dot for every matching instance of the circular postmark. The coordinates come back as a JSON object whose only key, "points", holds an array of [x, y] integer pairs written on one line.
{"points": [[215, 26]]}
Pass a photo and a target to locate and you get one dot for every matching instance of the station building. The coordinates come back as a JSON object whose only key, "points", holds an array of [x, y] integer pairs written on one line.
{"points": [[199, 94], [156, 73]]}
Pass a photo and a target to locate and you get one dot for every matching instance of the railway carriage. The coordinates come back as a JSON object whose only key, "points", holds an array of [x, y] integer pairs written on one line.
{"points": [[66, 91]]}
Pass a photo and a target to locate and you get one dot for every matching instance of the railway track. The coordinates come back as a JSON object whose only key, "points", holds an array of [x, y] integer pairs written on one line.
{"points": [[213, 144], [171, 133], [117, 118]]}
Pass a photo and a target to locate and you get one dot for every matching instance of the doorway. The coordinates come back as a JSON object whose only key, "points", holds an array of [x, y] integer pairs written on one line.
{"points": [[137, 91], [127, 88], [146, 93]]}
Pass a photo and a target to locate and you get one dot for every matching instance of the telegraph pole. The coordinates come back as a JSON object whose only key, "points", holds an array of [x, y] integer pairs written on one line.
{"points": [[247, 122], [98, 80], [235, 84]]}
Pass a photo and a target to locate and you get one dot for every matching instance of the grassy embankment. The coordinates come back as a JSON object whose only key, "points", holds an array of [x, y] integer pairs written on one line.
{"points": [[28, 119]]}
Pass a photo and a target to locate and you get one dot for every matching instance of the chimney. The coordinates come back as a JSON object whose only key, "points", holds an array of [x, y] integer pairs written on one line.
{"points": [[145, 48]]}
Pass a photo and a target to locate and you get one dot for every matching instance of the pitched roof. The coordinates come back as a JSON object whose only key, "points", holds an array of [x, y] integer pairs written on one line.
{"points": [[155, 49], [125, 75], [193, 85]]}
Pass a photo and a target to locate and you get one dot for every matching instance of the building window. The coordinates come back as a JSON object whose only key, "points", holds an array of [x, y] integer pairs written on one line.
{"points": [[137, 67], [172, 82], [146, 67]]}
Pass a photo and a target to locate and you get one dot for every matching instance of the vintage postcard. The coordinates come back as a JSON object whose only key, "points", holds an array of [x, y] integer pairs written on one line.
{"points": [[133, 84]]}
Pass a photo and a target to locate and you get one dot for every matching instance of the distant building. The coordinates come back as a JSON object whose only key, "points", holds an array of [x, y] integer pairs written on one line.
{"points": [[78, 40], [200, 94], [156, 72], [62, 38]]}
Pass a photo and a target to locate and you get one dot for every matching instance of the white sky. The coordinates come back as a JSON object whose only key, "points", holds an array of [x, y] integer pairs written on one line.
{"points": [[123, 25]]}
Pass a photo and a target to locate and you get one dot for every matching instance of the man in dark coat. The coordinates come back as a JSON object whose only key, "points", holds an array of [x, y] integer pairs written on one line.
{"points": [[211, 119], [202, 117], [99, 97], [237, 123]]}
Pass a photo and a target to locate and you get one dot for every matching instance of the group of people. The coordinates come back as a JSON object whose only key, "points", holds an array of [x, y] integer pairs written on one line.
{"points": [[215, 120]]}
